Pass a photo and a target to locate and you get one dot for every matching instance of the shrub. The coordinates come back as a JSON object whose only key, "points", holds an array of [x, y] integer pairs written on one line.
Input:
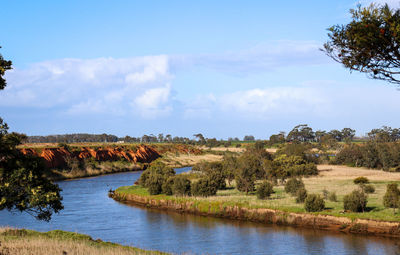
{"points": [[154, 183], [264, 190], [369, 189], [203, 188], [214, 171], [314, 203], [391, 199], [356, 201], [325, 193], [167, 186], [293, 185], [301, 195], [156, 168], [181, 186], [332, 197], [361, 180]]}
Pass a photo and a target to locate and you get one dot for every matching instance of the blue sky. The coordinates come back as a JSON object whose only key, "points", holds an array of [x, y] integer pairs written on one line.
{"points": [[221, 68]]}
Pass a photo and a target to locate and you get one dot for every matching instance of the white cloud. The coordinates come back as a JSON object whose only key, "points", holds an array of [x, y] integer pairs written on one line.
{"points": [[82, 86], [271, 101], [261, 58], [391, 3], [154, 102]]}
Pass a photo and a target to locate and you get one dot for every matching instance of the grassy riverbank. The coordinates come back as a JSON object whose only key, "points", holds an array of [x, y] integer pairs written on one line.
{"points": [[100, 168], [27, 242], [338, 179]]}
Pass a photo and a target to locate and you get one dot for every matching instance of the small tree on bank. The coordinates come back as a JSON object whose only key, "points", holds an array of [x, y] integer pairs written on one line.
{"points": [[391, 199], [356, 201], [314, 203], [264, 190], [203, 188], [293, 185]]}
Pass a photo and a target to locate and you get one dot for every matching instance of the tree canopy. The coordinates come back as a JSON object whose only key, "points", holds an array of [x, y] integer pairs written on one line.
{"points": [[369, 43], [23, 186]]}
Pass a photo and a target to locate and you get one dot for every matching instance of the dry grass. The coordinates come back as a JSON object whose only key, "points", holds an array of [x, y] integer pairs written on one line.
{"points": [[179, 160], [28, 242], [107, 167]]}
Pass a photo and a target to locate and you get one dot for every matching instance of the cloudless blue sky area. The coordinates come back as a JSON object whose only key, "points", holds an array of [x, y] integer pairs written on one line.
{"points": [[222, 68]]}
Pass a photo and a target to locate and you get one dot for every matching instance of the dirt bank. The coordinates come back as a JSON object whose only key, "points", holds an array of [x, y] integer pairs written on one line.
{"points": [[58, 157], [269, 216]]}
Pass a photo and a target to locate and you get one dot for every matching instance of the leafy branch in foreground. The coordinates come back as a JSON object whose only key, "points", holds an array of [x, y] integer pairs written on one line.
{"points": [[369, 43]]}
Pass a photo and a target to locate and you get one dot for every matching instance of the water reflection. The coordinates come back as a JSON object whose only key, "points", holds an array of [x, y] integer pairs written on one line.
{"points": [[89, 210]]}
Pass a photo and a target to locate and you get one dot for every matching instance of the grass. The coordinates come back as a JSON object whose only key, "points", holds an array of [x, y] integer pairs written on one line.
{"points": [[182, 160], [100, 168], [338, 179], [22, 241]]}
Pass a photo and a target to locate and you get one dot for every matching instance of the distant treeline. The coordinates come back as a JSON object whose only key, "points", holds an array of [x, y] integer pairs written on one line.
{"points": [[300, 133]]}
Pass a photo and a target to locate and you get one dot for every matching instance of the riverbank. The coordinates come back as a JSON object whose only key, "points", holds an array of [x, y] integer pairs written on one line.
{"points": [[22, 241], [102, 168], [282, 208], [243, 211]]}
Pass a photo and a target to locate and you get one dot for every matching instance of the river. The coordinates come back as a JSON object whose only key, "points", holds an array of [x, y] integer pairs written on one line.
{"points": [[88, 210]]}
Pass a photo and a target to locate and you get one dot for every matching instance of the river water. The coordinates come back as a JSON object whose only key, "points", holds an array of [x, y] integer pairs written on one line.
{"points": [[89, 210]]}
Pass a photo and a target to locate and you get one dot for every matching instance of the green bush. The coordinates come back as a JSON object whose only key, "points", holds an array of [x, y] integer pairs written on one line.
{"points": [[314, 203], [332, 197], [154, 183], [214, 171], [391, 199], [203, 188], [264, 190], [369, 189], [156, 168], [167, 186], [361, 180], [293, 185], [356, 201], [301, 195], [181, 186]]}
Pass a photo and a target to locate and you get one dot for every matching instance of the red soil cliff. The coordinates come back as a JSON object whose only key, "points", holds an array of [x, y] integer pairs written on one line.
{"points": [[57, 157]]}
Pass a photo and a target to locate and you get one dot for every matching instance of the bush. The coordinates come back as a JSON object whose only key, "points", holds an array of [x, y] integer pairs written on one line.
{"points": [[314, 203], [167, 186], [293, 185], [181, 186], [325, 193], [203, 188], [369, 189], [361, 180], [391, 199], [356, 201], [264, 190], [156, 168], [154, 183], [332, 197], [301, 195]]}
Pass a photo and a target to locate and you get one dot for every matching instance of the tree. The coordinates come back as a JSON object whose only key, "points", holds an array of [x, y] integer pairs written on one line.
{"points": [[203, 188], [391, 199], [264, 190], [369, 43], [248, 138], [301, 133], [181, 186], [23, 186], [245, 175], [356, 201], [293, 185], [314, 203]]}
